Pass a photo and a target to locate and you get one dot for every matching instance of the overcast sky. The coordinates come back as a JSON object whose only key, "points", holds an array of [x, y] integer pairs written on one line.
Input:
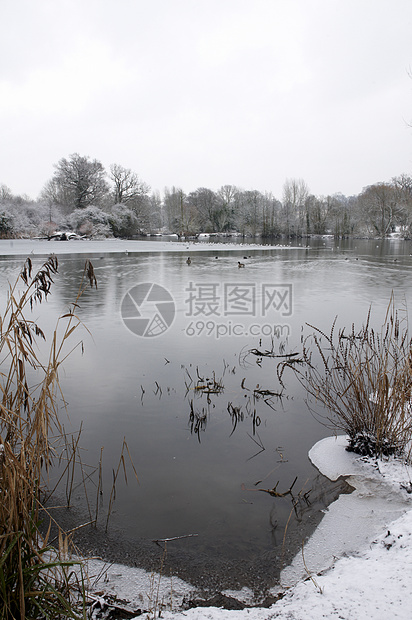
{"points": [[204, 93]]}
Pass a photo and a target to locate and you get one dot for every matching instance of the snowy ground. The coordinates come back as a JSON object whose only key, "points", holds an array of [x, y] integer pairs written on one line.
{"points": [[357, 565], [41, 247]]}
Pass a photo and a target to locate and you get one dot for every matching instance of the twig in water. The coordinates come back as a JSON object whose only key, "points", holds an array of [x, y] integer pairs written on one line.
{"points": [[275, 493], [165, 540]]}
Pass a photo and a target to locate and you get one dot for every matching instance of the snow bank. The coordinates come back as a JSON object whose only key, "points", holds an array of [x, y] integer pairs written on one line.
{"points": [[351, 521], [39, 247], [374, 584]]}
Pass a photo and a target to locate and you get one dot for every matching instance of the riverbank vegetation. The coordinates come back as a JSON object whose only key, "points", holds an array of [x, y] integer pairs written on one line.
{"points": [[36, 580], [85, 198], [363, 378]]}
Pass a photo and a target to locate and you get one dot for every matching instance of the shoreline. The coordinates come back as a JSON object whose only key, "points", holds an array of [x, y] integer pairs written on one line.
{"points": [[377, 498], [185, 558], [346, 529]]}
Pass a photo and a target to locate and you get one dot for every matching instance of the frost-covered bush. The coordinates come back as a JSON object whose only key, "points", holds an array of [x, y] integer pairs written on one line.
{"points": [[123, 221], [91, 222], [21, 218]]}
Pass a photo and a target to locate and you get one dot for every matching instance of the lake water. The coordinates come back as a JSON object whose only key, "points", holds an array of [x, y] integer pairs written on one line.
{"points": [[205, 436]]}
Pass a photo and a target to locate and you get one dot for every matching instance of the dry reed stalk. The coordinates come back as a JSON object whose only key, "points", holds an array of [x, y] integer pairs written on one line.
{"points": [[121, 465], [31, 585]]}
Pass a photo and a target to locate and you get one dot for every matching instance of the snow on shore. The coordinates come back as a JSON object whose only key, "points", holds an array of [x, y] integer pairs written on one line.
{"points": [[374, 584], [358, 563], [42, 247]]}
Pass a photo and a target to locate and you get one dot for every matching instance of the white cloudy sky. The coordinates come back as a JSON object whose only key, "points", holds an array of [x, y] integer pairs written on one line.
{"points": [[198, 93]]}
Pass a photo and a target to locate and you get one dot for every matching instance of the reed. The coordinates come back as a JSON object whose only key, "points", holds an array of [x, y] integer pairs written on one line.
{"points": [[35, 582], [364, 380]]}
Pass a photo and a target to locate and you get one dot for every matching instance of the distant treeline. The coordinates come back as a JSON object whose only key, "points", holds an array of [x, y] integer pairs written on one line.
{"points": [[85, 198]]}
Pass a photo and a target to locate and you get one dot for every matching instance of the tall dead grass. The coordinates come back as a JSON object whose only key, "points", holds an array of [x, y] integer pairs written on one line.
{"points": [[364, 380], [34, 583]]}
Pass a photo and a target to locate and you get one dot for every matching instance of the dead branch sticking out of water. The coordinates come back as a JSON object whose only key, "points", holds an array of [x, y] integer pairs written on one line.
{"points": [[261, 392], [210, 386], [271, 352], [274, 493], [264, 393], [267, 353]]}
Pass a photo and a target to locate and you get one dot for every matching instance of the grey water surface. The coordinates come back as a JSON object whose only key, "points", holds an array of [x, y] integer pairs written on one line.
{"points": [[204, 425]]}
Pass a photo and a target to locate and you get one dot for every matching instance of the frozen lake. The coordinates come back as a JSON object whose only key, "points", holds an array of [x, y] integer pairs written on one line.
{"points": [[205, 435]]}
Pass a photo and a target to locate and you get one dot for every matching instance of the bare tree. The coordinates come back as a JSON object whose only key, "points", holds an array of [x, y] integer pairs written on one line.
{"points": [[127, 187], [295, 193], [154, 219], [5, 193], [379, 208], [403, 188], [270, 216], [77, 183], [204, 202], [404, 183], [249, 212], [316, 213], [223, 217], [180, 213]]}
